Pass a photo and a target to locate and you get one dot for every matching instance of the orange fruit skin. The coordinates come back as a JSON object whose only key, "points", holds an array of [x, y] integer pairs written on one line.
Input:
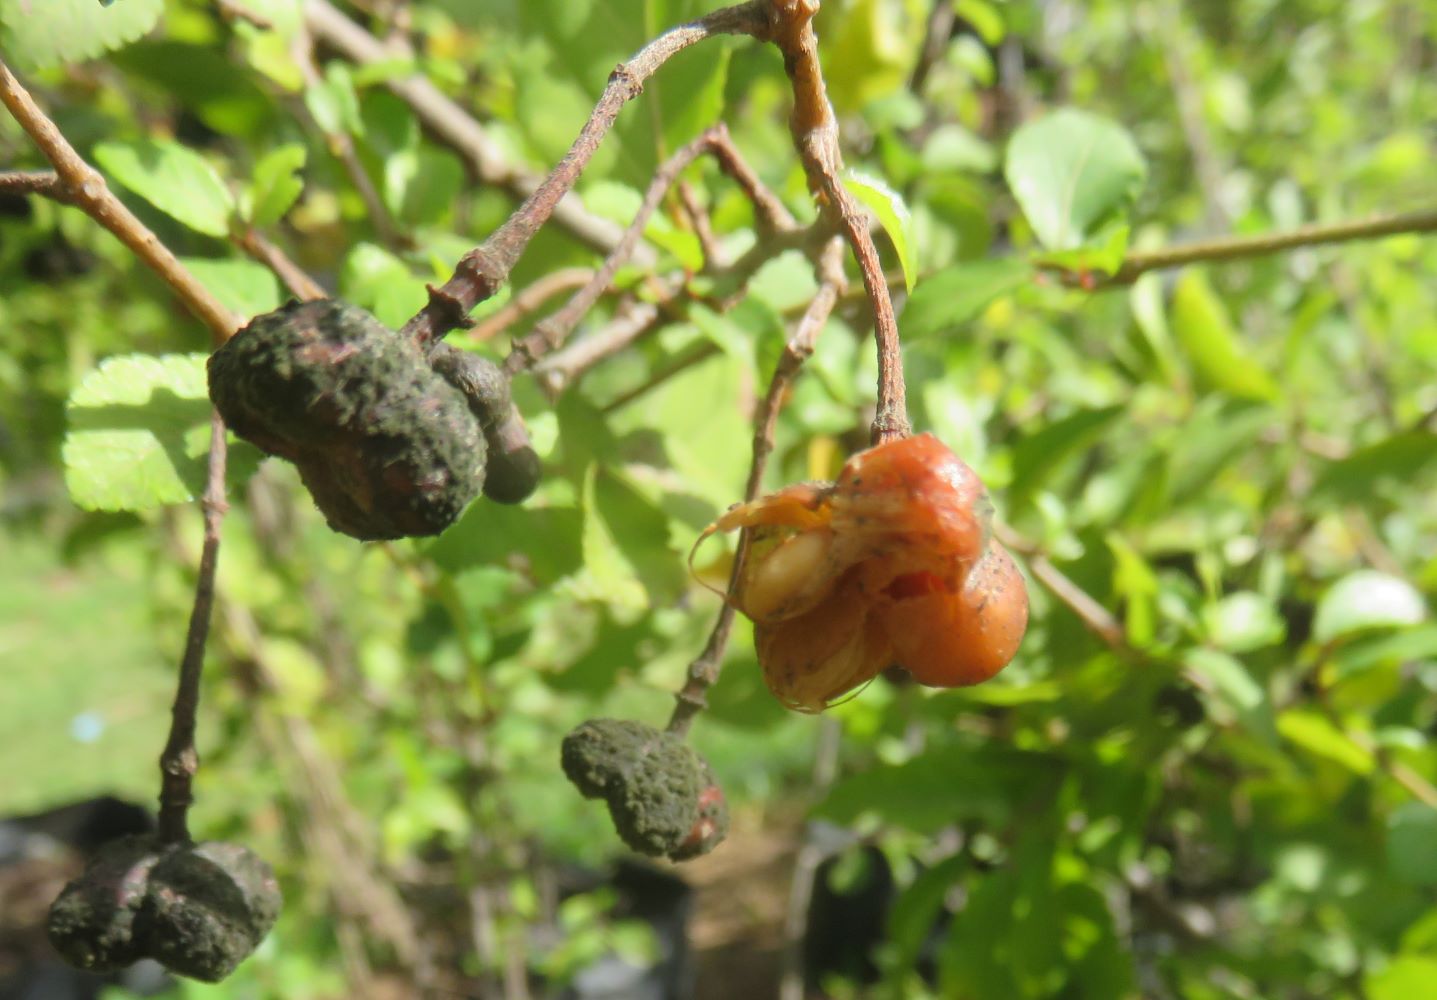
{"points": [[954, 639], [891, 564]]}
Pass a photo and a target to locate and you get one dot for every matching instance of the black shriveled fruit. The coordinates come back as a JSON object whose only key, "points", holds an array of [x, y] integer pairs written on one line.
{"points": [[386, 446], [513, 472], [661, 795], [198, 909]]}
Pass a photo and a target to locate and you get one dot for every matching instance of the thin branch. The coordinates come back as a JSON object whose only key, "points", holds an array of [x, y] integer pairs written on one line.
{"points": [[179, 761], [529, 301], [936, 37], [45, 183], [703, 226], [632, 323], [662, 374], [483, 270], [1098, 619], [704, 670], [299, 283], [1240, 247], [549, 334], [88, 192], [451, 123], [815, 135], [341, 145]]}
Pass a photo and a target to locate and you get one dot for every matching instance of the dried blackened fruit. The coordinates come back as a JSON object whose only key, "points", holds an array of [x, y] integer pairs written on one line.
{"points": [[386, 446], [211, 904], [661, 794], [198, 909], [513, 469], [98, 922]]}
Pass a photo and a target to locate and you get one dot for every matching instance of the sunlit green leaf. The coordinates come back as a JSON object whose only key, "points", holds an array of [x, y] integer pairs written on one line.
{"points": [[1364, 600], [173, 178], [1214, 347], [1072, 171], [893, 216], [38, 35]]}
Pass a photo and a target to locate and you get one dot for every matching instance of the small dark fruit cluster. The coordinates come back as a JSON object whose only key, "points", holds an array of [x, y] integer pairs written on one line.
{"points": [[661, 794], [391, 440], [198, 909]]}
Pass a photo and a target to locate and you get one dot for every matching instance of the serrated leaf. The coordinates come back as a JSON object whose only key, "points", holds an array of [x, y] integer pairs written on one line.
{"points": [[1073, 171], [1219, 358], [276, 184], [138, 433], [893, 216], [958, 293], [176, 180], [39, 34], [614, 579], [243, 286], [1366, 600]]}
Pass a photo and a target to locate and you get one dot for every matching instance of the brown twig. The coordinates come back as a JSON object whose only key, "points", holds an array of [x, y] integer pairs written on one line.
{"points": [[87, 191], [483, 270], [529, 301], [633, 322], [815, 135], [451, 123], [341, 145], [1098, 619], [936, 37], [703, 227], [1240, 247], [549, 334], [704, 670], [45, 183], [299, 283], [179, 761]]}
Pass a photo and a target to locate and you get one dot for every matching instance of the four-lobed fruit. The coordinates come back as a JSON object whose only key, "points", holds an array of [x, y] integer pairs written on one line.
{"points": [[662, 796], [198, 909], [892, 564], [390, 441]]}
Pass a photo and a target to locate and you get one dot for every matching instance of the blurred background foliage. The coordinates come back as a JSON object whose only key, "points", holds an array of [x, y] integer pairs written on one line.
{"points": [[1233, 799]]}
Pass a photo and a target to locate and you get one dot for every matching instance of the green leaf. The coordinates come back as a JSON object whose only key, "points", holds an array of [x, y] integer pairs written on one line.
{"points": [[1103, 254], [421, 185], [1233, 688], [1411, 835], [1400, 458], [1219, 358], [893, 216], [1315, 733], [1244, 621], [1072, 171], [957, 294], [39, 34], [276, 184], [176, 180], [1366, 599], [1037, 457], [243, 286], [1405, 978], [334, 103], [614, 579], [139, 433]]}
